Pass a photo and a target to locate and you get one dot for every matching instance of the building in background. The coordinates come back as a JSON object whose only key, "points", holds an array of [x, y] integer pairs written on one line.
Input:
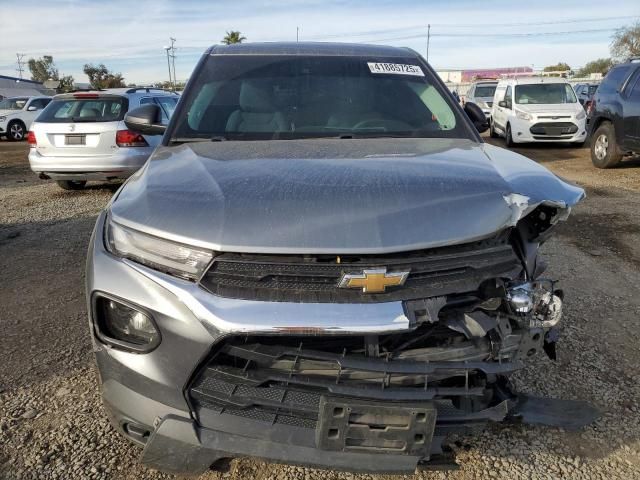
{"points": [[465, 76], [15, 87]]}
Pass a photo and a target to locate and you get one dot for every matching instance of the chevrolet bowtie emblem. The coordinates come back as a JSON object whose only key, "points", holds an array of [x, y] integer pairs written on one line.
{"points": [[374, 280]]}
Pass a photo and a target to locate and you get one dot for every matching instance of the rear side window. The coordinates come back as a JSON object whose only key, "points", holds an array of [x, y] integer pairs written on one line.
{"points": [[614, 79], [66, 110]]}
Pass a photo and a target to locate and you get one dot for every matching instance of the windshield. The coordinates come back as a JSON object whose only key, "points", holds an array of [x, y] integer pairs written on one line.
{"points": [[13, 103], [545, 93], [66, 110], [285, 97], [485, 90]]}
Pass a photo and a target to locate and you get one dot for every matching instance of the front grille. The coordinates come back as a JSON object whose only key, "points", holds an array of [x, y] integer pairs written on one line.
{"points": [[553, 129], [282, 380], [315, 278]]}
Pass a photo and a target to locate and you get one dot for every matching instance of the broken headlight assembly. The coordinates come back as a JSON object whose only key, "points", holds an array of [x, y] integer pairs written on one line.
{"points": [[170, 257], [537, 301]]}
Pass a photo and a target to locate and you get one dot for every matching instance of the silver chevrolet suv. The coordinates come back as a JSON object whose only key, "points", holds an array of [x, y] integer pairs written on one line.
{"points": [[322, 264], [81, 136]]}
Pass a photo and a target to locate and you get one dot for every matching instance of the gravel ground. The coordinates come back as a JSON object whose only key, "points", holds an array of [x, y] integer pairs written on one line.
{"points": [[52, 424]]}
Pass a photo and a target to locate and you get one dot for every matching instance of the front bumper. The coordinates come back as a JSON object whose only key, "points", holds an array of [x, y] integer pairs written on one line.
{"points": [[150, 397], [123, 163], [521, 132]]}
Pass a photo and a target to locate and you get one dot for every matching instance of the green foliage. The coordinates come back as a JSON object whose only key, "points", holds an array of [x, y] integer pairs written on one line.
{"points": [[43, 69], [626, 42], [559, 67], [101, 77], [233, 37], [601, 65]]}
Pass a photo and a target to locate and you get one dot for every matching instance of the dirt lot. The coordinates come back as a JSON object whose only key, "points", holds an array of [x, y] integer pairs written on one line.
{"points": [[52, 425]]}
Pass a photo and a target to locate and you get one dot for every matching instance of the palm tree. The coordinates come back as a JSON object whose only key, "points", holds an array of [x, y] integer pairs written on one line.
{"points": [[233, 37]]}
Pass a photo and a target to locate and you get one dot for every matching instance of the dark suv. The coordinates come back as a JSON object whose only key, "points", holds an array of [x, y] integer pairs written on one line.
{"points": [[615, 115]]}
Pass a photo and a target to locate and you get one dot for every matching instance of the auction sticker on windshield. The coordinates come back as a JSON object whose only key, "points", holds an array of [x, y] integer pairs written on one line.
{"points": [[395, 68]]}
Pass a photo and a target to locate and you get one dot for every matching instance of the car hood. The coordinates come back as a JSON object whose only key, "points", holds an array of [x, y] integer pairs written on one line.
{"points": [[4, 113], [334, 196], [555, 109]]}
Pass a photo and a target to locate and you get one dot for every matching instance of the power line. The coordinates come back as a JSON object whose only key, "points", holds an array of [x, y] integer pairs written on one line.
{"points": [[470, 25], [477, 35], [20, 64]]}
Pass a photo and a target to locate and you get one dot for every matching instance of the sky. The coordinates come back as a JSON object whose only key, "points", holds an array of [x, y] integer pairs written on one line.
{"points": [[128, 36]]}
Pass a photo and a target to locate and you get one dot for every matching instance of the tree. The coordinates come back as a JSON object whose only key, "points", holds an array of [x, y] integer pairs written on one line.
{"points": [[233, 37], [44, 69], [626, 42], [101, 77], [601, 65], [66, 84], [560, 67]]}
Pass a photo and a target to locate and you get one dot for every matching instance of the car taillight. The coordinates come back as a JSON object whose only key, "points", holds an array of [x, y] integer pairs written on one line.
{"points": [[31, 139], [127, 138]]}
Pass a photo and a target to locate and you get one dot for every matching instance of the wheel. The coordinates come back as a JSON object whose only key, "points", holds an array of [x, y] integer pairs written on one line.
{"points": [[16, 131], [71, 184], [508, 139], [604, 149], [492, 132]]}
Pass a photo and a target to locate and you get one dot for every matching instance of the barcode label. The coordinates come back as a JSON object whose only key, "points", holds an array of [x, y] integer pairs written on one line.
{"points": [[396, 69]]}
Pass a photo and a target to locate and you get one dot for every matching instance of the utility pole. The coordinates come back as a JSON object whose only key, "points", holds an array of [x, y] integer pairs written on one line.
{"points": [[297, 34], [169, 67], [173, 61], [428, 40], [20, 63]]}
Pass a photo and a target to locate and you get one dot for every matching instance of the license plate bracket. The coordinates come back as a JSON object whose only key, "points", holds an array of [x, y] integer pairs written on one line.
{"points": [[75, 139], [373, 427]]}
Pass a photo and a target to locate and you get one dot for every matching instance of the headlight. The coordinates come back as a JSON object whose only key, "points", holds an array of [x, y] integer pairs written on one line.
{"points": [[581, 115], [523, 115], [2, 119], [157, 253], [124, 325]]}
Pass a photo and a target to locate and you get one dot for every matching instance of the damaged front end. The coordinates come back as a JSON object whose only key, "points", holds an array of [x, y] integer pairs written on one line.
{"points": [[399, 393]]}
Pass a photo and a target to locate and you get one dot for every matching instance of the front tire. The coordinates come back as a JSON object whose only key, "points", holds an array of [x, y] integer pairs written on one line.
{"points": [[16, 131], [604, 149], [71, 184], [492, 130], [508, 139]]}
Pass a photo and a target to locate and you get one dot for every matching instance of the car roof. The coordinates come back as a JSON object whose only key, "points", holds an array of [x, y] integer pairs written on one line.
{"points": [[311, 48], [531, 80], [122, 92], [28, 97]]}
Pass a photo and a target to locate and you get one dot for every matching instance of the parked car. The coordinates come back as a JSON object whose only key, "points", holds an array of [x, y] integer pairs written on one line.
{"points": [[322, 263], [481, 93], [615, 116], [17, 114], [81, 136], [585, 92], [537, 109]]}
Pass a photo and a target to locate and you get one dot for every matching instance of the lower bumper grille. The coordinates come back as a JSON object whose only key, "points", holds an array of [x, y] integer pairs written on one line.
{"points": [[553, 129], [285, 383]]}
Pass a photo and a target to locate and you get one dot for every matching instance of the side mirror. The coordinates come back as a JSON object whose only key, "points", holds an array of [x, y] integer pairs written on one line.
{"points": [[32, 108], [145, 120], [477, 117]]}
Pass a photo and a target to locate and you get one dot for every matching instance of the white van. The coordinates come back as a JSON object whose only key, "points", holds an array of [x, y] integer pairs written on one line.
{"points": [[537, 109]]}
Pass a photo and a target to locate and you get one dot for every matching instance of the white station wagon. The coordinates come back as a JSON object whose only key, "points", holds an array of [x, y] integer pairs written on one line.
{"points": [[81, 136]]}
